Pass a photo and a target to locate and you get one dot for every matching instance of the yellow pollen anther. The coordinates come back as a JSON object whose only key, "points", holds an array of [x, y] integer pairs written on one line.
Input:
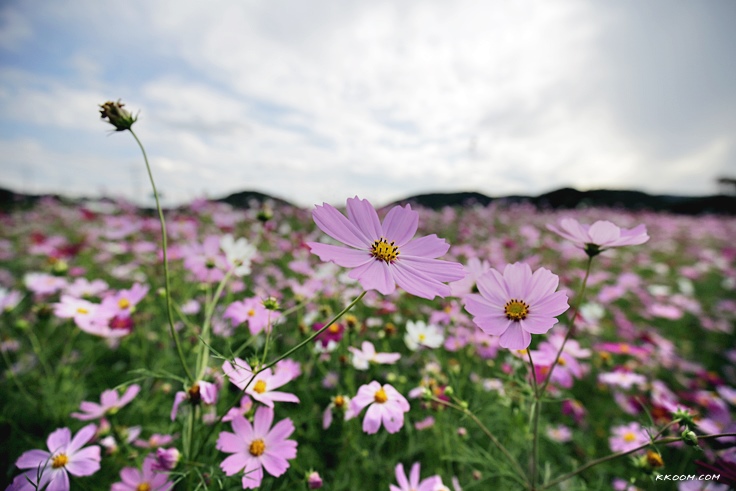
{"points": [[380, 396], [422, 337], [384, 251], [334, 328], [123, 303], [260, 387], [144, 486], [82, 310], [629, 437], [257, 448], [59, 461], [516, 310], [251, 313], [561, 361], [339, 401]]}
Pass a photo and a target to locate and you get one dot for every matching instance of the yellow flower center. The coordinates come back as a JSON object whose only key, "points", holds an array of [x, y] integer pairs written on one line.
{"points": [[624, 348], [561, 361], [123, 303], [516, 310], [144, 486], [260, 387], [257, 448], [334, 328], [422, 337], [629, 437], [82, 310], [59, 461], [339, 401], [380, 396], [384, 251], [251, 313]]}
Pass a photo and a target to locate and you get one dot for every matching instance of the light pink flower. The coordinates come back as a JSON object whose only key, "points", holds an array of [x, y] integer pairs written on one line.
{"points": [[256, 447], [385, 405], [147, 478], [517, 304], [412, 483], [253, 311], [262, 387], [627, 437], [367, 354], [600, 236], [110, 402], [383, 255], [66, 456]]}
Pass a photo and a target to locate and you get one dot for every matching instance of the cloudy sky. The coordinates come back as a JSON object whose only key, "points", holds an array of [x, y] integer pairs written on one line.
{"points": [[320, 100]]}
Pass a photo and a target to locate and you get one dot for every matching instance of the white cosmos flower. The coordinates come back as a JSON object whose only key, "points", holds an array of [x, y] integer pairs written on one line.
{"points": [[239, 253], [420, 334]]}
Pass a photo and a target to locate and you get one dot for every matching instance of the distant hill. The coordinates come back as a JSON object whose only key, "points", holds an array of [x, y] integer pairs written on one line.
{"points": [[568, 198]]}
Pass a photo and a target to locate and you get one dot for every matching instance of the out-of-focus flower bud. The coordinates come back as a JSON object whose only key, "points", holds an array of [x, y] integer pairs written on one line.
{"points": [[166, 459], [690, 438], [314, 481], [271, 303], [114, 113]]}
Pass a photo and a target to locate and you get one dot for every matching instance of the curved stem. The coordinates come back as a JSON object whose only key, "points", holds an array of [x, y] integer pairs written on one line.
{"points": [[488, 433], [167, 281], [204, 352], [536, 410]]}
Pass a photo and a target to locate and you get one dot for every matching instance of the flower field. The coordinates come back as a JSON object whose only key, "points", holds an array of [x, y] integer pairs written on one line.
{"points": [[465, 348]]}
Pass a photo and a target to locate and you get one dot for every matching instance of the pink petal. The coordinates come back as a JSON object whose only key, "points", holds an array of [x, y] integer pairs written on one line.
{"points": [[543, 283], [517, 276], [401, 476], [243, 428], [59, 480], [372, 419], [364, 216], [58, 440], [515, 337], [417, 283], [538, 324], [286, 449], [400, 224], [334, 224], [342, 256], [603, 233], [231, 443], [109, 399], [179, 397], [495, 325], [435, 268], [414, 475], [274, 464], [552, 305], [81, 438], [281, 431], [262, 422], [375, 275], [85, 462], [493, 287], [393, 418], [429, 246], [235, 463], [131, 476], [253, 474], [32, 459], [129, 394]]}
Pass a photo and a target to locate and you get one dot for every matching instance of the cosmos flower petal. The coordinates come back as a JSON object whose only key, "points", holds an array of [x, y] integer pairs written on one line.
{"points": [[517, 276], [342, 256], [281, 431], [552, 305], [495, 325], [278, 396], [372, 419], [334, 224], [59, 481], [603, 233], [362, 214], [32, 459], [435, 268], [81, 438], [375, 275], [538, 324], [262, 422], [85, 462], [429, 246], [515, 337], [274, 465], [234, 463], [414, 475], [400, 224], [59, 439], [253, 474], [401, 477], [231, 443], [493, 287], [417, 283], [242, 428], [543, 283]]}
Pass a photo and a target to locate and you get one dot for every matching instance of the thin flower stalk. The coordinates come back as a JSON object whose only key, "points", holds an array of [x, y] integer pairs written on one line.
{"points": [[204, 352]]}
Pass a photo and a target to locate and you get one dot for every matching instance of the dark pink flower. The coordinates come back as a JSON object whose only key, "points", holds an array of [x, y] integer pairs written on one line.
{"points": [[257, 446], [517, 304], [66, 456], [383, 255]]}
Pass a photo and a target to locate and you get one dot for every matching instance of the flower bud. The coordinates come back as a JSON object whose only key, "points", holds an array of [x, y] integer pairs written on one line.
{"points": [[314, 481], [120, 118], [271, 303], [690, 438]]}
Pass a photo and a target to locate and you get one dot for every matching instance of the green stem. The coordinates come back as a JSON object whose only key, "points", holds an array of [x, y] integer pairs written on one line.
{"points": [[575, 309], [11, 374], [536, 411], [488, 433], [167, 281], [204, 352]]}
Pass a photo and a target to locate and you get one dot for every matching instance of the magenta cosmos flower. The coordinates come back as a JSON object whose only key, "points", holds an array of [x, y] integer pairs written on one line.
{"points": [[386, 406], [66, 456], [262, 387], [148, 479], [432, 483], [256, 447], [517, 304], [600, 236], [383, 255], [110, 403]]}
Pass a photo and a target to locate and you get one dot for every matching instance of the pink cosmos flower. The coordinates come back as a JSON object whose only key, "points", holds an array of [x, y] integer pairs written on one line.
{"points": [[66, 456], [383, 255], [517, 304], [600, 236], [110, 402], [367, 354], [145, 479], [122, 303], [200, 392], [387, 406], [253, 311], [339, 403], [412, 484], [256, 447], [627, 437], [261, 388]]}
